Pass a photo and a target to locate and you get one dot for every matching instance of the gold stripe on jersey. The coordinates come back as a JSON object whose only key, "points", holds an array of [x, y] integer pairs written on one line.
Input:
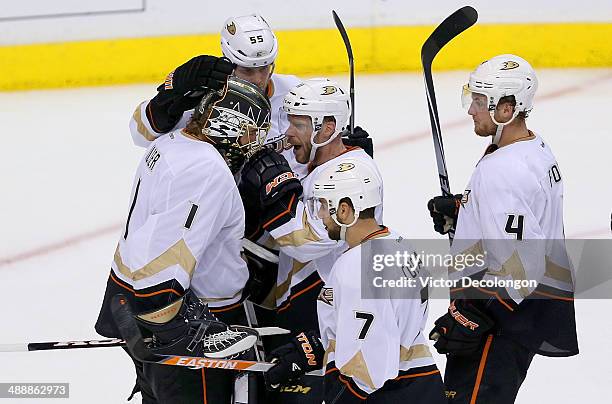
{"points": [[179, 254], [299, 237], [474, 250], [140, 126], [417, 351], [331, 348], [164, 314], [357, 367], [513, 268], [558, 272], [219, 299], [284, 287]]}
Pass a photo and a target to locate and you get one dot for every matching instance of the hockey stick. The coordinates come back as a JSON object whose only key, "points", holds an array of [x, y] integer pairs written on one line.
{"points": [[102, 343], [349, 51], [452, 26]]}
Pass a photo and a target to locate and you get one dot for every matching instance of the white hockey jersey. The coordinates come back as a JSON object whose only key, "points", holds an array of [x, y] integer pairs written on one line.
{"points": [[185, 223], [512, 208], [143, 133], [303, 241], [370, 340]]}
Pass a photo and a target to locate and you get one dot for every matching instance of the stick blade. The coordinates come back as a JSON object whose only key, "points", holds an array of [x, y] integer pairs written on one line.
{"points": [[452, 26], [343, 34]]}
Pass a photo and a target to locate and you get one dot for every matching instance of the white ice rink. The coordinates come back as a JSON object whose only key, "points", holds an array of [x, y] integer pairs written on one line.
{"points": [[66, 168]]}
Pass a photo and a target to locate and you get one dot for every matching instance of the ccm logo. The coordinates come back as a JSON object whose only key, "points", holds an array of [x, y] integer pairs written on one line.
{"points": [[307, 348], [278, 180]]}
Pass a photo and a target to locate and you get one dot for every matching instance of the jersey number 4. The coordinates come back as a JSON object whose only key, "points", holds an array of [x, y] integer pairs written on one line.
{"points": [[517, 229], [369, 318]]}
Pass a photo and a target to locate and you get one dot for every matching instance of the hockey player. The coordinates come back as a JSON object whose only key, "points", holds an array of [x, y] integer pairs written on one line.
{"points": [[180, 251], [512, 210], [317, 112], [375, 349], [249, 44]]}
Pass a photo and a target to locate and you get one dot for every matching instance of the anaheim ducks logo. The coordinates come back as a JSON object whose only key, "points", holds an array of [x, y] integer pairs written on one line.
{"points": [[509, 65], [329, 90], [326, 296], [342, 167], [231, 28], [465, 198]]}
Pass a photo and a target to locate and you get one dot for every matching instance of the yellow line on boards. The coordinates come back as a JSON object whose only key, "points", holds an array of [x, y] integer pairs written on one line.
{"points": [[303, 52]]}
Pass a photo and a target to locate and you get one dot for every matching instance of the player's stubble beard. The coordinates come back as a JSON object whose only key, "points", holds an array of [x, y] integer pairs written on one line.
{"points": [[333, 230], [485, 127]]}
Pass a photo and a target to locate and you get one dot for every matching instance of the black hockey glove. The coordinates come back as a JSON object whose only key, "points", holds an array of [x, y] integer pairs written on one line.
{"points": [[267, 185], [303, 354], [184, 87], [263, 269], [461, 330], [360, 138], [444, 211]]}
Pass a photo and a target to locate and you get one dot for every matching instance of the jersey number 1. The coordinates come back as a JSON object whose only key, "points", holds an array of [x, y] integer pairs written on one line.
{"points": [[369, 318]]}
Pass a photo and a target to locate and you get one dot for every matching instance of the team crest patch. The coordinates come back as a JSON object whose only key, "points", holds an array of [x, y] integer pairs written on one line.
{"points": [[465, 198], [231, 28], [342, 167], [326, 296], [329, 90], [509, 65]]}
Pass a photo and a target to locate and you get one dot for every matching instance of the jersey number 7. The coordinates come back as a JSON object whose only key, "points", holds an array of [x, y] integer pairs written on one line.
{"points": [[369, 318]]}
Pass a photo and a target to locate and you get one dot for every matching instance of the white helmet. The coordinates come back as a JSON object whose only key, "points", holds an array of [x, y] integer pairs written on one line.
{"points": [[318, 98], [502, 76], [248, 41], [347, 178]]}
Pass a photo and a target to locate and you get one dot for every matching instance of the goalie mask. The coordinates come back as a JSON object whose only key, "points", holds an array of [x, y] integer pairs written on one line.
{"points": [[348, 178], [238, 120]]}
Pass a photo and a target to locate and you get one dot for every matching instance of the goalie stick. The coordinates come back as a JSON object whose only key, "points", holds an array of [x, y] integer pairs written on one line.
{"points": [[103, 343], [452, 26]]}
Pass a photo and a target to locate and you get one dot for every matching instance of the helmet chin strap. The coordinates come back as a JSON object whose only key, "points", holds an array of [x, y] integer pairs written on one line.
{"points": [[315, 146], [344, 227], [500, 126]]}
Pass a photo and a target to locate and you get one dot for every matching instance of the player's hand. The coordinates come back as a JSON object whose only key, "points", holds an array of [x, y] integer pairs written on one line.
{"points": [[444, 211], [360, 138], [191, 80], [461, 330], [303, 354], [199, 72], [267, 186]]}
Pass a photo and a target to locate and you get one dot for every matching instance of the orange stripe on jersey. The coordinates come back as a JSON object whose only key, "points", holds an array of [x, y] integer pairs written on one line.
{"points": [[433, 372], [331, 370], [159, 292], [204, 387], [481, 366], [306, 289], [567, 299], [382, 232], [347, 384], [226, 308]]}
